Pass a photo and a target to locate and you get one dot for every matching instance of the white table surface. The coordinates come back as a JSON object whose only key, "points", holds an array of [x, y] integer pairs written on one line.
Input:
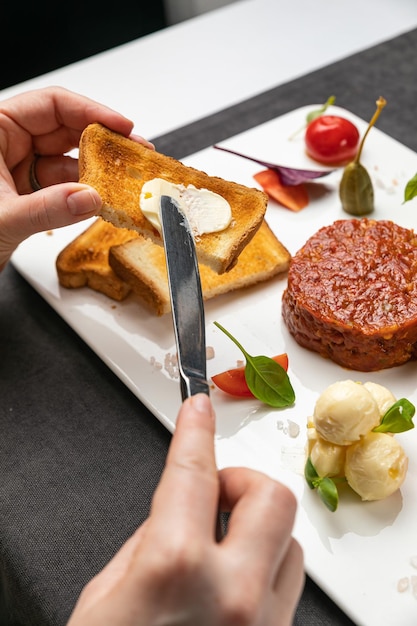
{"points": [[175, 76]]}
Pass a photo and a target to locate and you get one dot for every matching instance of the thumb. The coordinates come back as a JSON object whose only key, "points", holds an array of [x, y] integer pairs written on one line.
{"points": [[49, 208]]}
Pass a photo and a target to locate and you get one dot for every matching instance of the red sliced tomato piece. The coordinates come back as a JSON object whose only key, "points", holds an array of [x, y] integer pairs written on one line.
{"points": [[294, 197], [233, 381]]}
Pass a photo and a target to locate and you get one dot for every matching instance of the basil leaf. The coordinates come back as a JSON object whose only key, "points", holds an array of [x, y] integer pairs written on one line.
{"points": [[328, 493], [398, 418], [326, 487], [267, 380], [310, 474], [410, 191]]}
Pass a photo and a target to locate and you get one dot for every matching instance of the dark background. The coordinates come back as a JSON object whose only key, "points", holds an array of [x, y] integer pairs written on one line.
{"points": [[38, 37]]}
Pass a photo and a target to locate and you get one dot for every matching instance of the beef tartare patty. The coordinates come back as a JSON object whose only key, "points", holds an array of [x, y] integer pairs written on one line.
{"points": [[352, 294]]}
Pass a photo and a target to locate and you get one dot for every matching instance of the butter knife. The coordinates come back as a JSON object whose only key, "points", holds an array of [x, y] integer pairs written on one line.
{"points": [[186, 298], [186, 305]]}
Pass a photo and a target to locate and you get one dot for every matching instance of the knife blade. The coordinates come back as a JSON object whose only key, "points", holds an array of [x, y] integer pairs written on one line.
{"points": [[186, 298]]}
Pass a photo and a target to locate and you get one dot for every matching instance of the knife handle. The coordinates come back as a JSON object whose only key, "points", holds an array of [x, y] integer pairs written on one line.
{"points": [[191, 386]]}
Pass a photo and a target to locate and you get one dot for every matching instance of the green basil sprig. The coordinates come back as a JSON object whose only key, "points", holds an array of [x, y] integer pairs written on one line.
{"points": [[398, 418], [267, 380], [326, 487], [410, 191], [317, 112], [312, 115]]}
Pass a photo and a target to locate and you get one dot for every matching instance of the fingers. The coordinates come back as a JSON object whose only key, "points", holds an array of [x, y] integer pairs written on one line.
{"points": [[42, 111], [250, 495], [50, 122], [50, 170], [46, 170], [188, 491], [140, 139], [64, 138], [261, 521], [50, 208]]}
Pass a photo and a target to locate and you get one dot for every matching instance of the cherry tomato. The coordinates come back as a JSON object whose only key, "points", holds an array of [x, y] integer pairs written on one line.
{"points": [[332, 140], [234, 382]]}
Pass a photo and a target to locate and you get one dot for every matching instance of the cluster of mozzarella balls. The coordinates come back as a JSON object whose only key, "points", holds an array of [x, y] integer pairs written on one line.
{"points": [[341, 441]]}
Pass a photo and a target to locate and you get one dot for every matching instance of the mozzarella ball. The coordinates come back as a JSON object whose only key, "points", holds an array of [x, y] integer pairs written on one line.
{"points": [[312, 437], [382, 396], [376, 466], [328, 458], [344, 412]]}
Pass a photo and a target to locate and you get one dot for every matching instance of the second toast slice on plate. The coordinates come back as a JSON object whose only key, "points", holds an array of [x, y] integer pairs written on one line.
{"points": [[117, 261]]}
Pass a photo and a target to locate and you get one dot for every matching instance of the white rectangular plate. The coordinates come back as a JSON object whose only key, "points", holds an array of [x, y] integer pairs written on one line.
{"points": [[358, 554]]}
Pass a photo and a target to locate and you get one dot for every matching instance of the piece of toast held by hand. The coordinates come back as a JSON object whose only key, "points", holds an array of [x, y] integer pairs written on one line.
{"points": [[84, 262], [141, 264], [118, 167]]}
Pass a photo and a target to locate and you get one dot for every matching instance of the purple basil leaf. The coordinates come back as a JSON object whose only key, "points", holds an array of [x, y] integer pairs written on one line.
{"points": [[289, 175]]}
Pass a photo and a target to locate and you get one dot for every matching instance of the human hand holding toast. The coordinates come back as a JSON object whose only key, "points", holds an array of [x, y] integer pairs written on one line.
{"points": [[38, 188], [173, 571]]}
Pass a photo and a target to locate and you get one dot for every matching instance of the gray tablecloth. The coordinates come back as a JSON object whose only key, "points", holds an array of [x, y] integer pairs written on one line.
{"points": [[80, 456]]}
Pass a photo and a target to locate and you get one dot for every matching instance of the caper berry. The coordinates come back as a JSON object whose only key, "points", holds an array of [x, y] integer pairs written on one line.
{"points": [[356, 191]]}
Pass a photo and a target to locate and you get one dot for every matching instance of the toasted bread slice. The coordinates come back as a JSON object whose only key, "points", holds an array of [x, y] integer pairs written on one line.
{"points": [[84, 261], [141, 264], [118, 167]]}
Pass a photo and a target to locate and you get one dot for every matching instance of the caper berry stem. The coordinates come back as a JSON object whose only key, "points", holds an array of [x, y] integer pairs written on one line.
{"points": [[380, 103]]}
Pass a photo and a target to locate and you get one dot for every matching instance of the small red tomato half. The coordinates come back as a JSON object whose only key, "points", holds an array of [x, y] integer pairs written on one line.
{"points": [[234, 381], [332, 140]]}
